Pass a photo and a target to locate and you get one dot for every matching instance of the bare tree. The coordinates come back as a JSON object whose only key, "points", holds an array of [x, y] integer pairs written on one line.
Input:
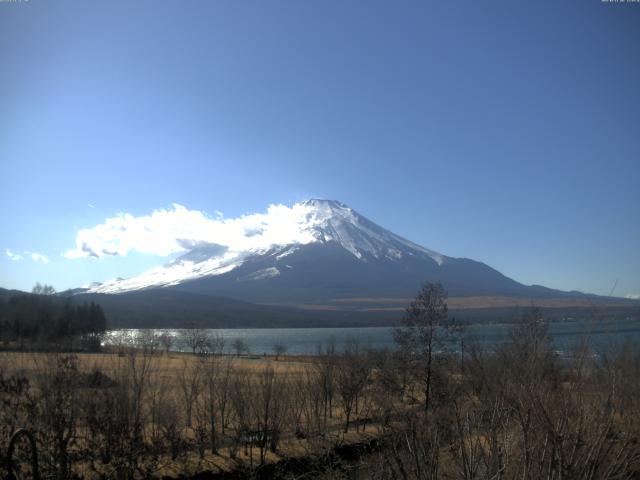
{"points": [[166, 340], [352, 376], [141, 366], [197, 339], [279, 348], [420, 334], [240, 346], [216, 344], [326, 366], [311, 394], [190, 385], [223, 391], [60, 409], [212, 402], [269, 407], [39, 289], [242, 403]]}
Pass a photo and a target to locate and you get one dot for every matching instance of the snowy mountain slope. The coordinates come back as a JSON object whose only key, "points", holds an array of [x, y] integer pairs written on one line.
{"points": [[323, 222], [333, 221], [326, 252]]}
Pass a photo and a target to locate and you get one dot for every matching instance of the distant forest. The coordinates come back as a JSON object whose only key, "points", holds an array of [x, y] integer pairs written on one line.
{"points": [[42, 319]]}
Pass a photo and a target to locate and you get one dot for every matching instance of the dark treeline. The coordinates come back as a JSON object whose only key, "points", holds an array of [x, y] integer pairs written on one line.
{"points": [[42, 319]]}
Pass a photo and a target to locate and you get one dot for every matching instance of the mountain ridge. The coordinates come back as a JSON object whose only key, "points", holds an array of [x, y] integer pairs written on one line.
{"points": [[321, 221], [330, 252]]}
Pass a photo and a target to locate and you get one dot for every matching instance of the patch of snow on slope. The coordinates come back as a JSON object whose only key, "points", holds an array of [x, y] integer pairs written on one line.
{"points": [[172, 274], [262, 274], [286, 252]]}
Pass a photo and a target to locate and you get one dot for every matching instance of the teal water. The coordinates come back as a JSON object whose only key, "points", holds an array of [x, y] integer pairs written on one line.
{"points": [[565, 335]]}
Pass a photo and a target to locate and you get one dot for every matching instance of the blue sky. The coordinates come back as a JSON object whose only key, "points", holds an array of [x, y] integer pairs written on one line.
{"points": [[507, 132]]}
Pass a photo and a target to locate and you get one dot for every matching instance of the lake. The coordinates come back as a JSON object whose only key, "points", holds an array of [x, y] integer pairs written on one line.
{"points": [[565, 335]]}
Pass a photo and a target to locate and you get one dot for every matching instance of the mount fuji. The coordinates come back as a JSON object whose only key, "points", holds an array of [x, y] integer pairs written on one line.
{"points": [[330, 257]]}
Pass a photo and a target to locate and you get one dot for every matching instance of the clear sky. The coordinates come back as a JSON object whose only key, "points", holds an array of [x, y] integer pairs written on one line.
{"points": [[507, 132]]}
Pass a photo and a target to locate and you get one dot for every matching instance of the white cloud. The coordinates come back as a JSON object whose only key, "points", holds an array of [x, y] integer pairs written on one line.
{"points": [[38, 257], [13, 256], [633, 296], [174, 230], [91, 205]]}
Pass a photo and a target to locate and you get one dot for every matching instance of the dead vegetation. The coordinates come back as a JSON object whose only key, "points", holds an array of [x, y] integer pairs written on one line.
{"points": [[517, 411]]}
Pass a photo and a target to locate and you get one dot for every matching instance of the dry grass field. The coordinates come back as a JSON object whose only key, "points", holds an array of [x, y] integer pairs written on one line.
{"points": [[28, 363], [182, 399], [518, 411]]}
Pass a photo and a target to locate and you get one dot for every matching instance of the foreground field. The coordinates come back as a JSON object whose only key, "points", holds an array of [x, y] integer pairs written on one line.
{"points": [[180, 413], [515, 412]]}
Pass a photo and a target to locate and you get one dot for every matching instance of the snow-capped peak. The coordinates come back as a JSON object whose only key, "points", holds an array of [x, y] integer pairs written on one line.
{"points": [[283, 230], [330, 220]]}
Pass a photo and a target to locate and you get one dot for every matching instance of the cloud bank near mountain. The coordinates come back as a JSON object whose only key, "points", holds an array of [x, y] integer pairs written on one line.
{"points": [[177, 229]]}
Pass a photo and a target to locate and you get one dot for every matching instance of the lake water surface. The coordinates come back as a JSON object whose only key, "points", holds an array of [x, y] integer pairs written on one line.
{"points": [[565, 335]]}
